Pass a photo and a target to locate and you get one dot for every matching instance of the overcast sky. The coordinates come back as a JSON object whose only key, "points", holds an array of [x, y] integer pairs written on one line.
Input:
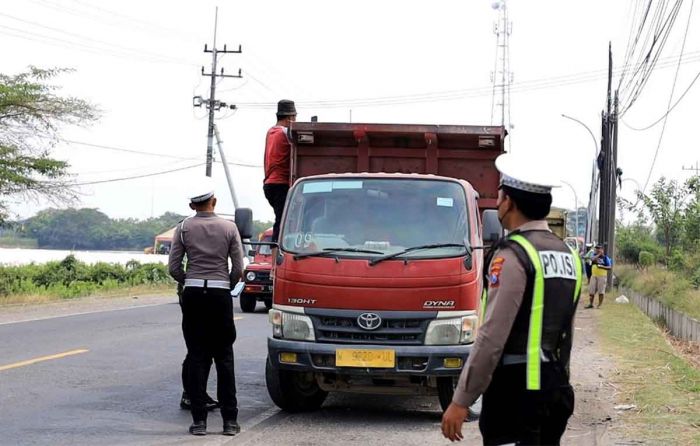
{"points": [[140, 62]]}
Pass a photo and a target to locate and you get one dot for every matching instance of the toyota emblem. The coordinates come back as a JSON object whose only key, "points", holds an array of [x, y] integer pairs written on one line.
{"points": [[369, 321]]}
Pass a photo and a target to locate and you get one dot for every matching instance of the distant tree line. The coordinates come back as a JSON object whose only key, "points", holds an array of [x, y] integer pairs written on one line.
{"points": [[90, 229]]}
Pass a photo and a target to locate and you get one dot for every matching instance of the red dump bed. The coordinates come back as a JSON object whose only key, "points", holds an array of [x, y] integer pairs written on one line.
{"points": [[464, 152]]}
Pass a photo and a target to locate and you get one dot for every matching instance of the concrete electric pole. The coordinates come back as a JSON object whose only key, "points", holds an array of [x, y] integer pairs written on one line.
{"points": [[211, 103]]}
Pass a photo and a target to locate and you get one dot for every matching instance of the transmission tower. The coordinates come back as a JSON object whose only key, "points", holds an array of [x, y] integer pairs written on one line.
{"points": [[502, 76]]}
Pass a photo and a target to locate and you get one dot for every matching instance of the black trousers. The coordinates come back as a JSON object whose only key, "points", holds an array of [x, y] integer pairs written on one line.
{"points": [[207, 324], [276, 195], [512, 414]]}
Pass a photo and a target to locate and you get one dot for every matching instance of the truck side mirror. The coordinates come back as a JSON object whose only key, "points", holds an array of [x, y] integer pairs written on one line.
{"points": [[492, 228], [244, 222]]}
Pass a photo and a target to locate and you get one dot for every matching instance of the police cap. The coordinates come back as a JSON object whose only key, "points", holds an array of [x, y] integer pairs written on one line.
{"points": [[202, 190], [516, 174]]}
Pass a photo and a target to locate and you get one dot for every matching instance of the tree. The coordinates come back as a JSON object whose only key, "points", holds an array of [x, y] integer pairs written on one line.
{"points": [[259, 227], [31, 116], [666, 205], [691, 237]]}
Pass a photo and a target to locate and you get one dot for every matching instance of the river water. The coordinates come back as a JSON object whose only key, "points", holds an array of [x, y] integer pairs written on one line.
{"points": [[21, 256]]}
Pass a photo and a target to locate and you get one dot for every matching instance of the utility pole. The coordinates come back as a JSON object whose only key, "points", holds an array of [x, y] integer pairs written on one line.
{"points": [[212, 104], [696, 168], [613, 183], [608, 170]]}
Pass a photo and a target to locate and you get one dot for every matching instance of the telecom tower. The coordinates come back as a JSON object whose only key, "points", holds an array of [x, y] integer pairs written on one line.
{"points": [[501, 76]]}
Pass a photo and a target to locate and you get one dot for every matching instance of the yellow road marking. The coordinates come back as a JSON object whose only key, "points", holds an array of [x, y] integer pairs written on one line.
{"points": [[42, 358], [237, 318]]}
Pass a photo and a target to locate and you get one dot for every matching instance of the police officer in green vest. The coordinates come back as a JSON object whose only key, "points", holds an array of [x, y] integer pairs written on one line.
{"points": [[520, 359]]}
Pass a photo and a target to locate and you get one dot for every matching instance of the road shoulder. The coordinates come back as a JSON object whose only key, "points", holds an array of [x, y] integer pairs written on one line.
{"points": [[30, 312]]}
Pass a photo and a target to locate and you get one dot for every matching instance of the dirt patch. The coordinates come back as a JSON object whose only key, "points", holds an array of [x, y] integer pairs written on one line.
{"points": [[594, 420]]}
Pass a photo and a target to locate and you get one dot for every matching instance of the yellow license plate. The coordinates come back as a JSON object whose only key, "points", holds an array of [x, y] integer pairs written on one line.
{"points": [[352, 357]]}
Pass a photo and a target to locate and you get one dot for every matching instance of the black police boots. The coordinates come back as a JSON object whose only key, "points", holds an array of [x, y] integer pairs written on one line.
{"points": [[231, 427], [187, 405], [198, 428]]}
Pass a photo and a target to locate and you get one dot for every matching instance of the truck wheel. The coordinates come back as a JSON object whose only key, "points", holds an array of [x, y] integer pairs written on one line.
{"points": [[268, 303], [247, 303], [293, 391], [446, 389]]}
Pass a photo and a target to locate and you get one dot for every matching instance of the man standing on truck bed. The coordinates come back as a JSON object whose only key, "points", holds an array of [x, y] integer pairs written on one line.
{"points": [[278, 161], [520, 358], [207, 310]]}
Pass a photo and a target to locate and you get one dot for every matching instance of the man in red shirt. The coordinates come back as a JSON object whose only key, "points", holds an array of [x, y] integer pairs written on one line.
{"points": [[277, 161]]}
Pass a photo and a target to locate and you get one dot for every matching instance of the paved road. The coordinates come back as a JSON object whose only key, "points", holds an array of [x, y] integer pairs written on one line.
{"points": [[113, 378]]}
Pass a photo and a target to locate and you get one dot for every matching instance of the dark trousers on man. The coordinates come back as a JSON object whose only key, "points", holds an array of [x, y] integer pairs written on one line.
{"points": [[207, 324], [512, 414], [276, 195]]}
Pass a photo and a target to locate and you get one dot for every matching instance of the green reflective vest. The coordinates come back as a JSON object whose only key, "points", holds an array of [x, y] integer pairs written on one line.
{"points": [[534, 339]]}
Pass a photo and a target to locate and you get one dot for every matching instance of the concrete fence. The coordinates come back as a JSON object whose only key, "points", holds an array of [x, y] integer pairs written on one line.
{"points": [[680, 325]]}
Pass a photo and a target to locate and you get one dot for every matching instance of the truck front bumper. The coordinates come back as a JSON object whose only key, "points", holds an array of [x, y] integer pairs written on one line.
{"points": [[418, 360]]}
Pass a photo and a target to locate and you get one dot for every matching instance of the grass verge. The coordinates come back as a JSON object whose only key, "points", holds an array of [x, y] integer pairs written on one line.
{"points": [[663, 386], [669, 287], [139, 290]]}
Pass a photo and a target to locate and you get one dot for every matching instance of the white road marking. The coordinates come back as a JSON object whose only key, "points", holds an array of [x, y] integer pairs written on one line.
{"points": [[83, 313]]}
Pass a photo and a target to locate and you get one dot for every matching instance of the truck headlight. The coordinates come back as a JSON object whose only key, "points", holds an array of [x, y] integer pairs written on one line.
{"points": [[451, 331], [291, 326], [250, 276]]}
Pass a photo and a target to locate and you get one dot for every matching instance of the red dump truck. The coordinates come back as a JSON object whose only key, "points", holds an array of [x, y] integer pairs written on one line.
{"points": [[258, 283], [379, 269]]}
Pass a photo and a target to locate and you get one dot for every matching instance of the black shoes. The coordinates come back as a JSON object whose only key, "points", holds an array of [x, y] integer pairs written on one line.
{"points": [[231, 428], [187, 405], [198, 428]]}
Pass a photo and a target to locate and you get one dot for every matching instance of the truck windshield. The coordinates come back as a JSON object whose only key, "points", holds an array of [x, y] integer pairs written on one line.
{"points": [[384, 216], [265, 250]]}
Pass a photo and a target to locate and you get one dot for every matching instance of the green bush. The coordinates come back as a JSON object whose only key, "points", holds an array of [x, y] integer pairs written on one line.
{"points": [[646, 259], [72, 278]]}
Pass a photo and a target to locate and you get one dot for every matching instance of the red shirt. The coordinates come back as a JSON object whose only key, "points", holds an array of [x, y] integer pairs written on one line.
{"points": [[277, 156]]}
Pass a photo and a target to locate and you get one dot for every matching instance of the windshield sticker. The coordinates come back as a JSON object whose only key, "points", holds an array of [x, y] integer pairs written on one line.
{"points": [[347, 185], [314, 187], [445, 202]]}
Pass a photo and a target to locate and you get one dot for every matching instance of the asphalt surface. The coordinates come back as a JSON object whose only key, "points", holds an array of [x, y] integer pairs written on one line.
{"points": [[113, 378]]}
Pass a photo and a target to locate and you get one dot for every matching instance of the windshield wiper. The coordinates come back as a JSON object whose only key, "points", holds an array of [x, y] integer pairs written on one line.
{"points": [[332, 250], [417, 248]]}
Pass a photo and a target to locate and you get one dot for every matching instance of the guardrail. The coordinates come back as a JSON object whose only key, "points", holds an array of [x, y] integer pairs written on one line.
{"points": [[679, 324]]}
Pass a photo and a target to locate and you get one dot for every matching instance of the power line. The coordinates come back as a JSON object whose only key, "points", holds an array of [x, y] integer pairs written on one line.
{"points": [[161, 155], [92, 40], [680, 98], [112, 180], [448, 95], [648, 63], [670, 98], [137, 152], [63, 43]]}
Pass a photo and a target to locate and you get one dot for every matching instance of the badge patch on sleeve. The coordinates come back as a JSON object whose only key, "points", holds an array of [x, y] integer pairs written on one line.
{"points": [[495, 273]]}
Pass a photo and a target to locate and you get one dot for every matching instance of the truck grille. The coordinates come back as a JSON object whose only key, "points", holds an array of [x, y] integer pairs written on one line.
{"points": [[393, 330]]}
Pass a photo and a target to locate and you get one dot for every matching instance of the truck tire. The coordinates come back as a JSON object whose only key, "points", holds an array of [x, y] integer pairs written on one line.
{"points": [[446, 389], [293, 391], [247, 303]]}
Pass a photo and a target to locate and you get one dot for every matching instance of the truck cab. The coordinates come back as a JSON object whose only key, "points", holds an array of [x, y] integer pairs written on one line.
{"points": [[258, 283], [379, 269]]}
